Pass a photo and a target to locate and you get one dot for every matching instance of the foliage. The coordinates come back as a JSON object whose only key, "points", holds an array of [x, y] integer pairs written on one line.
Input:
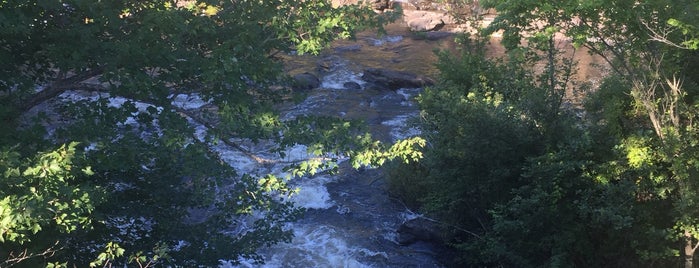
{"points": [[100, 166], [614, 186], [479, 137]]}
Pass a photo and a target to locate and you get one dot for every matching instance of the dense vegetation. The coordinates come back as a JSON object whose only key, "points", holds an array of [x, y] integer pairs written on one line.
{"points": [[522, 175], [100, 166], [518, 175]]}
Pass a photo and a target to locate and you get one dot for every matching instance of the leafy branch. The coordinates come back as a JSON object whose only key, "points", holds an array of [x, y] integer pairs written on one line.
{"points": [[15, 258]]}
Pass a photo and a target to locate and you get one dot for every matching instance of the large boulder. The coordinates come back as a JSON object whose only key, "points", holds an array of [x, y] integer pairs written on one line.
{"points": [[422, 21], [418, 229], [394, 80], [425, 24], [352, 85], [305, 81]]}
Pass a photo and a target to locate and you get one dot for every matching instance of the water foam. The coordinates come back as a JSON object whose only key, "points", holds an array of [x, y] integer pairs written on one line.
{"points": [[408, 95], [313, 194], [314, 246], [337, 79], [401, 128], [377, 42], [188, 101]]}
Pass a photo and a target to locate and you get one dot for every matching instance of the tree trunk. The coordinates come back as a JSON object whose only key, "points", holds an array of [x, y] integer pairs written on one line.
{"points": [[688, 250]]}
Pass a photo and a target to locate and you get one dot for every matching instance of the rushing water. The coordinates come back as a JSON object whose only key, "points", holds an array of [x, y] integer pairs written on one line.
{"points": [[351, 221]]}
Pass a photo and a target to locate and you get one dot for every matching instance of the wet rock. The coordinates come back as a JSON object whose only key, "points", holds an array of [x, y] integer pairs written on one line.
{"points": [[394, 80], [305, 81], [352, 85], [405, 238], [329, 64], [348, 48], [432, 36], [437, 35], [418, 230]]}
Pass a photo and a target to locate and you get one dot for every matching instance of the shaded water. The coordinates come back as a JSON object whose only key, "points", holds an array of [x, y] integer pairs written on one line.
{"points": [[351, 220]]}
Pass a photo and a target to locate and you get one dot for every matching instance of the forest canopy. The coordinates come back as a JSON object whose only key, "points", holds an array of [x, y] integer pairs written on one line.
{"points": [[101, 164]]}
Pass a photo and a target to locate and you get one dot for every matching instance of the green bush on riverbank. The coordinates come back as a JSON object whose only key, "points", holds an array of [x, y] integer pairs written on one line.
{"points": [[521, 178]]}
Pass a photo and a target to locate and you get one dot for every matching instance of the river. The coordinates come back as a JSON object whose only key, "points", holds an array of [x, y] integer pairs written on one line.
{"points": [[351, 220]]}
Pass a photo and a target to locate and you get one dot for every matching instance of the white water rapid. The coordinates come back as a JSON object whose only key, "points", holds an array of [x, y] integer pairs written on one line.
{"points": [[350, 219]]}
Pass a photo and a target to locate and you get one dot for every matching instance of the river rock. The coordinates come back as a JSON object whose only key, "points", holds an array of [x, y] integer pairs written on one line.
{"points": [[422, 21], [305, 81], [425, 24], [418, 230], [329, 64], [352, 85], [437, 35], [394, 80], [432, 36]]}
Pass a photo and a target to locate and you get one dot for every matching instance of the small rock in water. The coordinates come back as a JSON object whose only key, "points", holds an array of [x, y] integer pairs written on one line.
{"points": [[394, 80], [418, 230], [329, 64], [305, 81], [352, 85], [437, 35]]}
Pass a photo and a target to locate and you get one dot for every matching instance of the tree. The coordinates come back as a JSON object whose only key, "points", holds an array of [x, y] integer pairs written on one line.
{"points": [[118, 175], [655, 75], [481, 131], [613, 186]]}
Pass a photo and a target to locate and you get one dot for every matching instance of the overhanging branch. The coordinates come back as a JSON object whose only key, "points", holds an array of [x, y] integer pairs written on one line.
{"points": [[58, 87]]}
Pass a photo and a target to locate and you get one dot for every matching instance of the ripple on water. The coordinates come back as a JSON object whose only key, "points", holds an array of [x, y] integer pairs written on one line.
{"points": [[377, 42]]}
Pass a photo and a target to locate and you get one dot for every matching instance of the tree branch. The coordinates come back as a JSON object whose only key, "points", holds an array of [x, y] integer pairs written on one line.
{"points": [[13, 259], [661, 37], [240, 148], [436, 221], [73, 83], [58, 87]]}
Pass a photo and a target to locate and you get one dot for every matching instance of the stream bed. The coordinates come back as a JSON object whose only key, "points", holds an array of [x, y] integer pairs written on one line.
{"points": [[351, 221]]}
